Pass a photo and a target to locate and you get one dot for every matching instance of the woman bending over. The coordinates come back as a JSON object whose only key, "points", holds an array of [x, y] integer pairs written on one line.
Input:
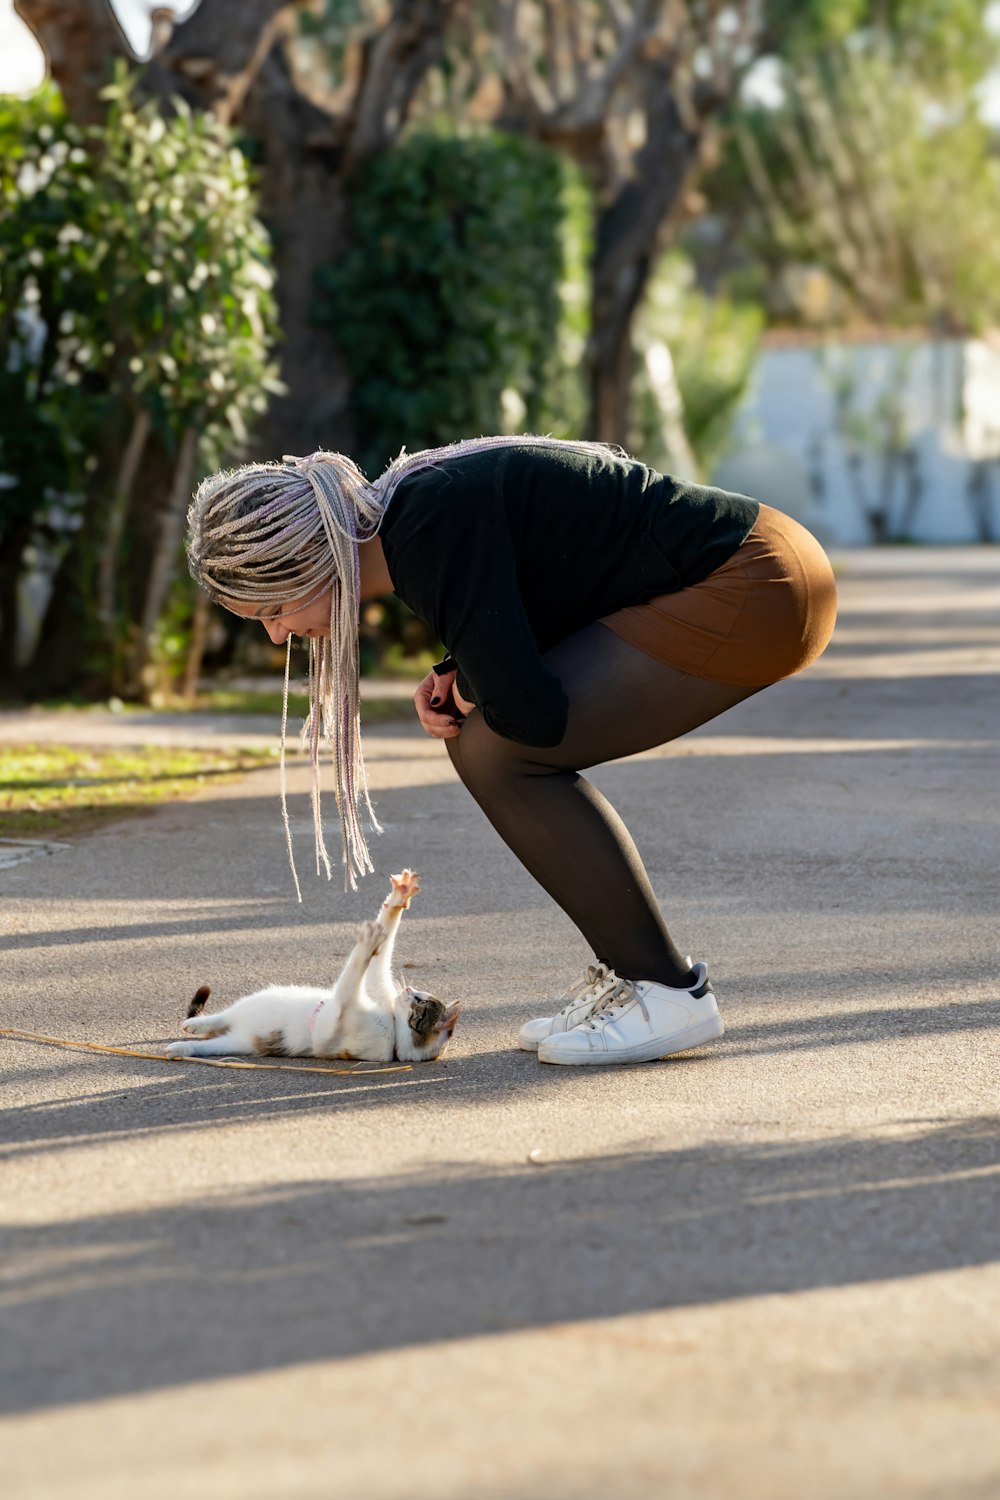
{"points": [[590, 607]]}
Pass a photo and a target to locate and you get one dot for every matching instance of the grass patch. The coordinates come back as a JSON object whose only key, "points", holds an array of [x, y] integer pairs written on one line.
{"points": [[234, 701], [54, 790], [230, 701]]}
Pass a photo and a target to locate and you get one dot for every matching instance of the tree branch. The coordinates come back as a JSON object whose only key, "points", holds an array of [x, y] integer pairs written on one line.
{"points": [[81, 40], [550, 111], [521, 83], [396, 61], [212, 58], [115, 524]]}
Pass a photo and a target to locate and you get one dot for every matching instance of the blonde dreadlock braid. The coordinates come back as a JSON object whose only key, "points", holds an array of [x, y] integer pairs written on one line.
{"points": [[271, 533], [274, 533]]}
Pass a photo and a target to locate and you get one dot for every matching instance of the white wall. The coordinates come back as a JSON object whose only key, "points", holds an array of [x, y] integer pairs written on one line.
{"points": [[789, 448]]}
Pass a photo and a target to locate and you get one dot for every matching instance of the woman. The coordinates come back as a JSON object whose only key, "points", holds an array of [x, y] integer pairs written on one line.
{"points": [[591, 608]]}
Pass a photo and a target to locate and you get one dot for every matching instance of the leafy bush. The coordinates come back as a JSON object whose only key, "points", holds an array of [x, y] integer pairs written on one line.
{"points": [[135, 304], [137, 245], [41, 455], [449, 306]]}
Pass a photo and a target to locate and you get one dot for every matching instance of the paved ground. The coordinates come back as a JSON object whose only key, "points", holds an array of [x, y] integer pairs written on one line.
{"points": [[767, 1270]]}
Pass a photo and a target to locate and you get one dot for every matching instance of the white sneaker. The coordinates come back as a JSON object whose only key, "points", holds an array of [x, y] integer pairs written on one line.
{"points": [[578, 1002], [637, 1021]]}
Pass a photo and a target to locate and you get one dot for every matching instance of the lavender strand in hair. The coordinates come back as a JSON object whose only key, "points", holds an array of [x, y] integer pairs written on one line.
{"points": [[282, 775]]}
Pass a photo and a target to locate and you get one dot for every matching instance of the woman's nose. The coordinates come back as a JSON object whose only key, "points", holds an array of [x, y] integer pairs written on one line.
{"points": [[277, 632]]}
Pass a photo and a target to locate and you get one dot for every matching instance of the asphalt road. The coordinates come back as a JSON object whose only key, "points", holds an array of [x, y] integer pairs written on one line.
{"points": [[762, 1271]]}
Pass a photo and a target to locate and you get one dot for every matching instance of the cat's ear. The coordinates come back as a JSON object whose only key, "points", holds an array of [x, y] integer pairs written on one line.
{"points": [[449, 1020]]}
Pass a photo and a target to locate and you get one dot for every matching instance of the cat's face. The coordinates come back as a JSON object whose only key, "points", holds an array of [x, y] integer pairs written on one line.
{"points": [[424, 1025]]}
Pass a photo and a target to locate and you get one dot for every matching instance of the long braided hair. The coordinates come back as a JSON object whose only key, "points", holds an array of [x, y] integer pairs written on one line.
{"points": [[274, 533]]}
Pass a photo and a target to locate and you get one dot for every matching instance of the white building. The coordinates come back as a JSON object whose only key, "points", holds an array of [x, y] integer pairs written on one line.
{"points": [[870, 441]]}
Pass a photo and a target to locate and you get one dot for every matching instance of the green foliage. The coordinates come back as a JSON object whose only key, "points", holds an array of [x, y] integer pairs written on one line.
{"points": [[795, 25], [896, 198], [946, 44], [36, 296], [138, 246], [134, 276], [450, 304], [191, 270], [875, 171], [713, 342]]}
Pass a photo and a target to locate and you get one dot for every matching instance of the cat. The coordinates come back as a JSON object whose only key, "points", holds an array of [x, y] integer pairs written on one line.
{"points": [[367, 1015]]}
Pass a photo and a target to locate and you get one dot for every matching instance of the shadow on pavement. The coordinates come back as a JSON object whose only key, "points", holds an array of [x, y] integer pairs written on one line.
{"points": [[189, 1098], [249, 1281]]}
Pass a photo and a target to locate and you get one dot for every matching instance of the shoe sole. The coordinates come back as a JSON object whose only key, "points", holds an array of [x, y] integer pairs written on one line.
{"points": [[651, 1051]]}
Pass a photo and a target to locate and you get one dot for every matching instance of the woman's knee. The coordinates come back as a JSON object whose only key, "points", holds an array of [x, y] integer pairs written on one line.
{"points": [[483, 758]]}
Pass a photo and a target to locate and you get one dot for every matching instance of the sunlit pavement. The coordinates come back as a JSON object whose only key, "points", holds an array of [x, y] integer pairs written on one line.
{"points": [[762, 1271]]}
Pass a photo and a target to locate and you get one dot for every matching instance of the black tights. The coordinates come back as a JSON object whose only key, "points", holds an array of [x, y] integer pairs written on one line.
{"points": [[562, 830]]}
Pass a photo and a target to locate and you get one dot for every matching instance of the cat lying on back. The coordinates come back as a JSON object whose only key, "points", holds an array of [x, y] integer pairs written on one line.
{"points": [[366, 1015]]}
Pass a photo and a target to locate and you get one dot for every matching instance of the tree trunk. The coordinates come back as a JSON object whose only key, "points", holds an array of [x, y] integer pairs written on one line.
{"points": [[196, 650], [610, 357], [81, 40], [159, 574], [661, 66], [231, 60], [679, 456], [631, 231], [234, 61], [71, 655], [109, 559], [211, 59], [303, 204], [13, 541]]}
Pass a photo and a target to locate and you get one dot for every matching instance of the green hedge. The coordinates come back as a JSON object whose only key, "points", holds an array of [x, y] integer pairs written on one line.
{"points": [[135, 286], [451, 305]]}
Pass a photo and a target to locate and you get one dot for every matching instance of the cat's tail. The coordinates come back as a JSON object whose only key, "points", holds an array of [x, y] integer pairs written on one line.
{"points": [[198, 1003]]}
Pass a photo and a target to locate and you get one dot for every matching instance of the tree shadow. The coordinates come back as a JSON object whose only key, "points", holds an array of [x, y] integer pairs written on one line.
{"points": [[250, 1280], [189, 1097], [648, 780]]}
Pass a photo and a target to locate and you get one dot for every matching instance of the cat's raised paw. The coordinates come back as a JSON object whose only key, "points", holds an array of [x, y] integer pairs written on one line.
{"points": [[370, 936], [405, 886]]}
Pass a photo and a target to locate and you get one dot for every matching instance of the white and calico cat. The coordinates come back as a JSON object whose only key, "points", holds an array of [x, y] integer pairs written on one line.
{"points": [[367, 1015]]}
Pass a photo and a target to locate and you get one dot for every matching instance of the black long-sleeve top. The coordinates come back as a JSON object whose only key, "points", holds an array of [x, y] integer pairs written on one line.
{"points": [[506, 552]]}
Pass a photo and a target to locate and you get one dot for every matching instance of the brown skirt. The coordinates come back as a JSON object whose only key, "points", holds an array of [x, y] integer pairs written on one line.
{"points": [[765, 614]]}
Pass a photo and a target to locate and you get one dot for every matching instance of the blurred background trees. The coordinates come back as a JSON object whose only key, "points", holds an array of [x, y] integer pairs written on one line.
{"points": [[136, 322], [873, 163], [367, 223]]}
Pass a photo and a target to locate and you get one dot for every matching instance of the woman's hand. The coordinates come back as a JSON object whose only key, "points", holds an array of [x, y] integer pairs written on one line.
{"points": [[440, 719]]}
